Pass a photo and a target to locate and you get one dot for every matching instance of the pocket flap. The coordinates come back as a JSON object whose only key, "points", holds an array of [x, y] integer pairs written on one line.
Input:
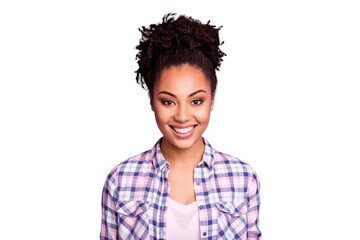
{"points": [[132, 208], [235, 209]]}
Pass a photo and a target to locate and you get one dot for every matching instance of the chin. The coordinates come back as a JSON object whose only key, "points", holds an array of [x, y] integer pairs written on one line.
{"points": [[184, 143]]}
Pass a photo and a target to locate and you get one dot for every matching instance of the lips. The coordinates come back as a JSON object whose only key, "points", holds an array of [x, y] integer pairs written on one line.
{"points": [[183, 131]]}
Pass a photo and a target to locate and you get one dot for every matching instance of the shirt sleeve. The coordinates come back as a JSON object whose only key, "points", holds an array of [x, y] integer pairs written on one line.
{"points": [[109, 228], [253, 232]]}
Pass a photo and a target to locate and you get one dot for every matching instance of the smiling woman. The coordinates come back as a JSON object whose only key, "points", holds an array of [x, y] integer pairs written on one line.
{"points": [[182, 103], [182, 188]]}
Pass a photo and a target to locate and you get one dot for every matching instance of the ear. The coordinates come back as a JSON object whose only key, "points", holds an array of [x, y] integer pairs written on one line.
{"points": [[152, 104], [212, 104]]}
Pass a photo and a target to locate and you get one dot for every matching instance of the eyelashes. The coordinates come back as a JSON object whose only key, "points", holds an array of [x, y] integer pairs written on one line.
{"points": [[197, 101], [166, 102]]}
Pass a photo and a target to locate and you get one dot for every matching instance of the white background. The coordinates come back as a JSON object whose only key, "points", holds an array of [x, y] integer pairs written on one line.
{"points": [[287, 103]]}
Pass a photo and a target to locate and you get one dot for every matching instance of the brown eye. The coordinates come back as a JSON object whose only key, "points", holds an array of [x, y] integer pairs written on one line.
{"points": [[167, 102], [197, 102]]}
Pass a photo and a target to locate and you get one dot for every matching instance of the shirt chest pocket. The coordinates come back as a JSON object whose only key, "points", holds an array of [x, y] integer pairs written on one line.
{"points": [[133, 219], [232, 220]]}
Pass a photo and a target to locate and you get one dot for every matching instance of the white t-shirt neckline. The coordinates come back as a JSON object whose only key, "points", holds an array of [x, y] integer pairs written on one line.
{"points": [[182, 221]]}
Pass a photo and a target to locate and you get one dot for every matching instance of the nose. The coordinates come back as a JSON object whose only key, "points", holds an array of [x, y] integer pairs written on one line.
{"points": [[182, 114]]}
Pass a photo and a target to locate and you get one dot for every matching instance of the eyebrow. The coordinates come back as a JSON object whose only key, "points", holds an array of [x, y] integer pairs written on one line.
{"points": [[173, 95]]}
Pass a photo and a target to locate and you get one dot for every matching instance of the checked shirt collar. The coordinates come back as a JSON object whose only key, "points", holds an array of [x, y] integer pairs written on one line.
{"points": [[159, 161]]}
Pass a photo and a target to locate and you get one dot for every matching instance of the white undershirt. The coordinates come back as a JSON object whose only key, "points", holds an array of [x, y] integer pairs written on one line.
{"points": [[182, 221]]}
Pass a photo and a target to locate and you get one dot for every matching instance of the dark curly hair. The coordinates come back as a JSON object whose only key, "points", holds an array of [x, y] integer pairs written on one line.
{"points": [[176, 42]]}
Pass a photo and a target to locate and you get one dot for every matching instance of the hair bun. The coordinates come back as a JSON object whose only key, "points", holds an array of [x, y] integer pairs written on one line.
{"points": [[184, 32], [178, 41]]}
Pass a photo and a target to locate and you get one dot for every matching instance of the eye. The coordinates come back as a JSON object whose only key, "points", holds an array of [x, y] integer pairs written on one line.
{"points": [[197, 101], [167, 102]]}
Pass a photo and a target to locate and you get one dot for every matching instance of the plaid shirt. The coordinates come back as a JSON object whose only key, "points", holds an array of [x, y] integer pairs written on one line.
{"points": [[134, 200]]}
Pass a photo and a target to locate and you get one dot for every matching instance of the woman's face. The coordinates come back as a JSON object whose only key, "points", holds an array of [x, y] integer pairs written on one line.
{"points": [[182, 102]]}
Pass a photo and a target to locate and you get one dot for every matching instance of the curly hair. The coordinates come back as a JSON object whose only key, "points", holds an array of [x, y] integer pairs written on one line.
{"points": [[176, 42]]}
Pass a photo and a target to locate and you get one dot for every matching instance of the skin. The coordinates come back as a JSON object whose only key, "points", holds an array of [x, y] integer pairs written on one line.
{"points": [[182, 97]]}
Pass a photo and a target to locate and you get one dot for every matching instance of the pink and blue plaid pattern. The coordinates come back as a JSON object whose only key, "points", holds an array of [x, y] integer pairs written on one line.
{"points": [[134, 200]]}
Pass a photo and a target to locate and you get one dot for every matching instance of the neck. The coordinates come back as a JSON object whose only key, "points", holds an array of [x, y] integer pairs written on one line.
{"points": [[183, 157]]}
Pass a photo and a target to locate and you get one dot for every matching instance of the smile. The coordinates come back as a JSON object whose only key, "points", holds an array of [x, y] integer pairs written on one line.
{"points": [[183, 132]]}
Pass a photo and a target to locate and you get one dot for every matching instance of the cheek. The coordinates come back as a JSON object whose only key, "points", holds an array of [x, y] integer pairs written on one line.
{"points": [[161, 115], [203, 115]]}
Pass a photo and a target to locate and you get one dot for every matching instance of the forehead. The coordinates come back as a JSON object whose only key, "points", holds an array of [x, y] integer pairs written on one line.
{"points": [[182, 78]]}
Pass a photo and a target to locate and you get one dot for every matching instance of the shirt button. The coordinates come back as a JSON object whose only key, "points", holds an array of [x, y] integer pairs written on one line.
{"points": [[204, 233], [198, 183], [201, 207]]}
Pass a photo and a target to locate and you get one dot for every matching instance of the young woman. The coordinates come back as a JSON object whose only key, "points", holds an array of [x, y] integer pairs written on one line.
{"points": [[182, 188]]}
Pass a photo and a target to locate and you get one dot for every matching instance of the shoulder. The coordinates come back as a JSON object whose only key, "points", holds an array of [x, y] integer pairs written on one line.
{"points": [[235, 175], [133, 165], [232, 166], [228, 161], [226, 165], [124, 174]]}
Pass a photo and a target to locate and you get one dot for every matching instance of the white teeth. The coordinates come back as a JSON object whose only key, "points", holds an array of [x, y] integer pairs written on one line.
{"points": [[183, 130]]}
